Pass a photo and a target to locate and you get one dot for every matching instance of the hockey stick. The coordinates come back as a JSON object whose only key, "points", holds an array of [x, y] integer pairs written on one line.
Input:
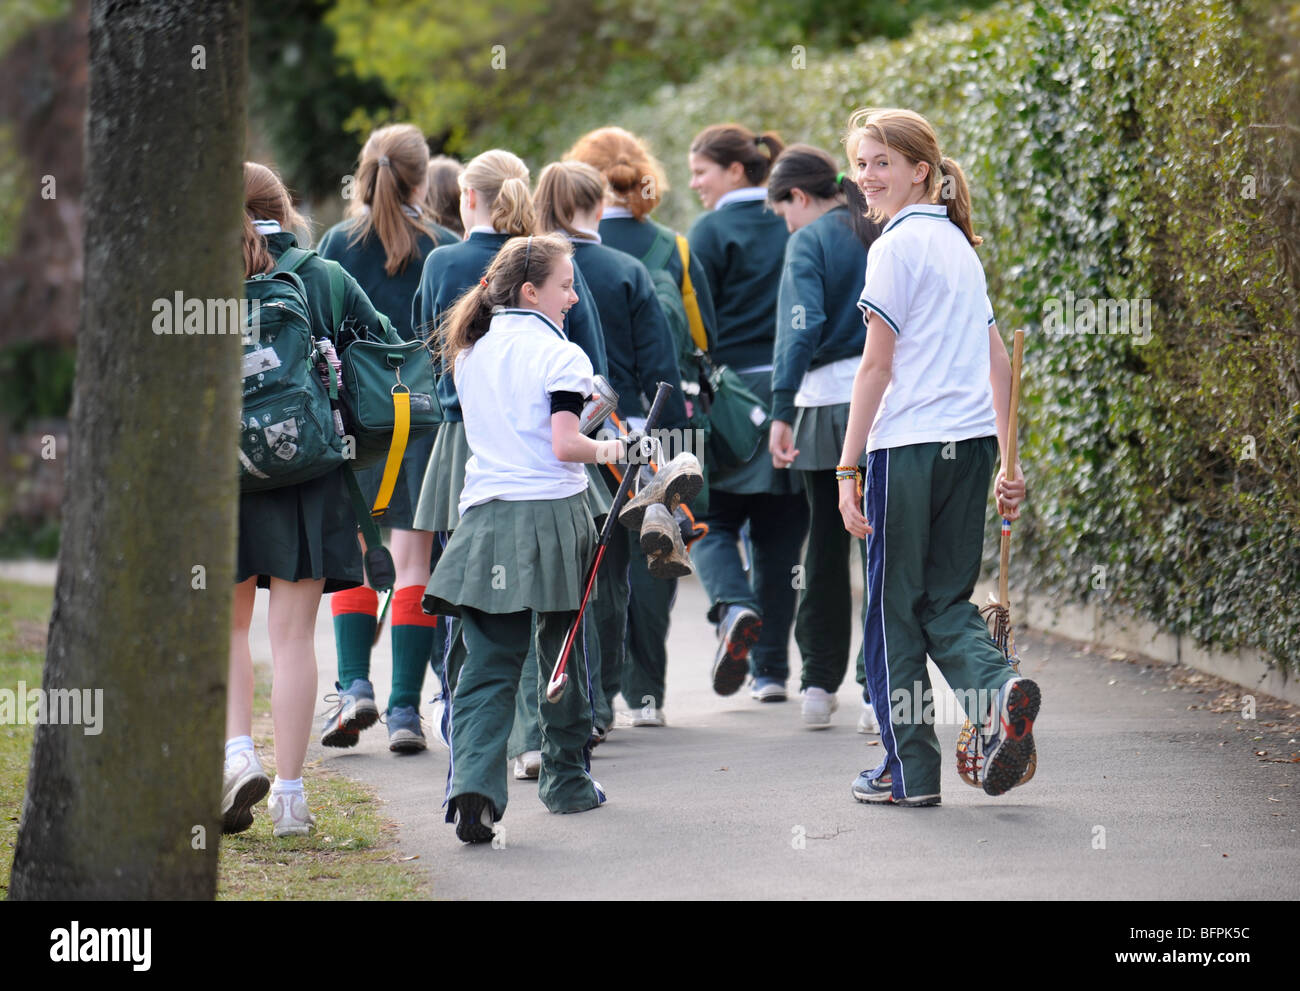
{"points": [[555, 686], [970, 756]]}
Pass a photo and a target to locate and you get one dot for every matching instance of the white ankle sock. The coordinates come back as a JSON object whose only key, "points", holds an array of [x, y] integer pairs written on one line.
{"points": [[282, 786], [236, 745]]}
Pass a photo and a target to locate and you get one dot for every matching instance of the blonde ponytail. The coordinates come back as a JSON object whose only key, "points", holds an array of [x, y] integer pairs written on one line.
{"points": [[955, 195]]}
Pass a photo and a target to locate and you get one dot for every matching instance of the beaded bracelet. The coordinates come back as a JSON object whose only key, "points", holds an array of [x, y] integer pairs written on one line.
{"points": [[844, 473]]}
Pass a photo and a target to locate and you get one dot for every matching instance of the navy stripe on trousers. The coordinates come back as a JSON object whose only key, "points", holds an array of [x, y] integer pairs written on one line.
{"points": [[875, 644]]}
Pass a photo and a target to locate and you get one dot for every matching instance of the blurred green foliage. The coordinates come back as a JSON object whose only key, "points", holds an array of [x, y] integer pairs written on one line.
{"points": [[302, 95], [473, 76]]}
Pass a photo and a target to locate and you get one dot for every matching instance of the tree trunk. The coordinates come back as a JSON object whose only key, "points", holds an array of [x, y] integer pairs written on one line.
{"points": [[146, 565]]}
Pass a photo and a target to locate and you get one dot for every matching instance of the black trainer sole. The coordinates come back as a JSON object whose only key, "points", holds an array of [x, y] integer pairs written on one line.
{"points": [[732, 668], [239, 816], [471, 811], [682, 489], [349, 733], [1006, 765]]}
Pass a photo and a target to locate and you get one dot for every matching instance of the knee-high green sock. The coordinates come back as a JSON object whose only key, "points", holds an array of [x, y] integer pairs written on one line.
{"points": [[413, 635], [354, 631]]}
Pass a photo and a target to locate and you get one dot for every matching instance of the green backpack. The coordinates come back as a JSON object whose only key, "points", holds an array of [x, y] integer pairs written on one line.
{"points": [[287, 433]]}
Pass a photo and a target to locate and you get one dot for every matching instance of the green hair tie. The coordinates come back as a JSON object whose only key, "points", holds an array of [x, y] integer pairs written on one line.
{"points": [[839, 178]]}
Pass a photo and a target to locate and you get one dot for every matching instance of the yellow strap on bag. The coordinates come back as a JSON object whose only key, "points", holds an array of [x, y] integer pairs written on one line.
{"points": [[689, 301], [401, 430]]}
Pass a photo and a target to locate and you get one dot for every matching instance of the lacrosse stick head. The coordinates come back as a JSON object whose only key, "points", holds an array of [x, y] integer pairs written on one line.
{"points": [[970, 749]]}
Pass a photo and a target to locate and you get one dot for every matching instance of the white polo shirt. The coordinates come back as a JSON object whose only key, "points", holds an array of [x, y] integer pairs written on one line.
{"points": [[504, 382], [926, 282]]}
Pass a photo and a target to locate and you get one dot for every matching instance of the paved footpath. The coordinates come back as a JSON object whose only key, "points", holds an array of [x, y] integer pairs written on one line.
{"points": [[1142, 792], [1136, 796]]}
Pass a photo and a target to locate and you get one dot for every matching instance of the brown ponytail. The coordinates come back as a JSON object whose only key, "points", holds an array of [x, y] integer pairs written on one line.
{"points": [[563, 190], [913, 136], [727, 143], [471, 315], [815, 172], [265, 198], [394, 162], [443, 200]]}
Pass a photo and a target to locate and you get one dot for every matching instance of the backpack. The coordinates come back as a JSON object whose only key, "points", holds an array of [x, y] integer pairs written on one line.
{"points": [[287, 431]]}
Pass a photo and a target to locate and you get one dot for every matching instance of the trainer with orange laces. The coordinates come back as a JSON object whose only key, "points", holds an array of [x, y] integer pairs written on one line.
{"points": [[930, 405]]}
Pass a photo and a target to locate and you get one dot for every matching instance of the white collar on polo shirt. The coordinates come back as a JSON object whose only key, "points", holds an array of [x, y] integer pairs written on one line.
{"points": [[481, 229], [914, 209], [513, 315], [611, 212], [585, 234], [267, 226], [743, 195]]}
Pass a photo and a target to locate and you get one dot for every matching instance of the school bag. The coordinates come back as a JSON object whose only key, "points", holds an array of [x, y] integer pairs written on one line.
{"points": [[733, 419], [287, 433], [387, 397]]}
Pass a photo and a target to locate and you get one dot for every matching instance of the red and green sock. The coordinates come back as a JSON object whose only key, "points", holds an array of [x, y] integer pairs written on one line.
{"points": [[413, 635], [355, 611]]}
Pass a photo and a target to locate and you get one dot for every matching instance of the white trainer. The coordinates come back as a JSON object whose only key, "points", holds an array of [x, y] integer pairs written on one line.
{"points": [[244, 784], [818, 704], [528, 765], [867, 724], [645, 716], [289, 813]]}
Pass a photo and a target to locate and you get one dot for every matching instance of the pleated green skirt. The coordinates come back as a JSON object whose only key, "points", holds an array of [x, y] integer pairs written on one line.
{"points": [[443, 480], [509, 556], [819, 437]]}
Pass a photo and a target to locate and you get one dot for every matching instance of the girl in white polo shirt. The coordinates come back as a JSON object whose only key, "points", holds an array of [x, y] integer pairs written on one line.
{"points": [[525, 533], [930, 404]]}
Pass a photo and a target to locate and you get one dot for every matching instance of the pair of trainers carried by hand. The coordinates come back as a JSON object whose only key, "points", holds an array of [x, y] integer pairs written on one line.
{"points": [[658, 512]]}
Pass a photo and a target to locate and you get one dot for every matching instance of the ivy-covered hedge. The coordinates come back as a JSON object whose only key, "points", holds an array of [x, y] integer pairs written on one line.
{"points": [[1143, 151]]}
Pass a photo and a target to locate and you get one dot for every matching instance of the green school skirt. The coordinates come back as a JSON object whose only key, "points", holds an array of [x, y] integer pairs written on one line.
{"points": [[819, 437], [300, 533], [599, 500], [410, 479], [509, 556], [443, 480]]}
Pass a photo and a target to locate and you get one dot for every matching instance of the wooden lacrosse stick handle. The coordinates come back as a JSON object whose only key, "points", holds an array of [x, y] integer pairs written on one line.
{"points": [[1013, 415]]}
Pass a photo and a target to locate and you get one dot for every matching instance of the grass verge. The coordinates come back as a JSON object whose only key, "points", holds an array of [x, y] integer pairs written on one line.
{"points": [[351, 855]]}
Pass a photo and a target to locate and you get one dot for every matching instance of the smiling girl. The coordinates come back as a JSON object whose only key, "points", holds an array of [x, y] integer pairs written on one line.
{"points": [[930, 407], [525, 532]]}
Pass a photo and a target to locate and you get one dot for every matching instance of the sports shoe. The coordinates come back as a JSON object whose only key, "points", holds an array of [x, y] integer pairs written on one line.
{"points": [[879, 791], [405, 734], [691, 529], [528, 765], [680, 480], [867, 723], [818, 704], [661, 542], [1008, 735], [767, 690], [599, 734], [244, 784], [645, 716], [289, 814], [738, 631], [473, 817], [353, 711]]}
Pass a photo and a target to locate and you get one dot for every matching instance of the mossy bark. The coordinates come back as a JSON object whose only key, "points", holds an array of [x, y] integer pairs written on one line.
{"points": [[132, 811]]}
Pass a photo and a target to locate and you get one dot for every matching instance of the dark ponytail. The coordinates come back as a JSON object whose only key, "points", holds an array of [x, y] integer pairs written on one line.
{"points": [[815, 172], [727, 143]]}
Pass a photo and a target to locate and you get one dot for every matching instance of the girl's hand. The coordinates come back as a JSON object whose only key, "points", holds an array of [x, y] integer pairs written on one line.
{"points": [[610, 452], [1010, 493], [851, 509], [780, 442]]}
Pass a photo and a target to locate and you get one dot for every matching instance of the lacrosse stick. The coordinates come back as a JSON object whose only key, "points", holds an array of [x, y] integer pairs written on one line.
{"points": [[997, 613]]}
